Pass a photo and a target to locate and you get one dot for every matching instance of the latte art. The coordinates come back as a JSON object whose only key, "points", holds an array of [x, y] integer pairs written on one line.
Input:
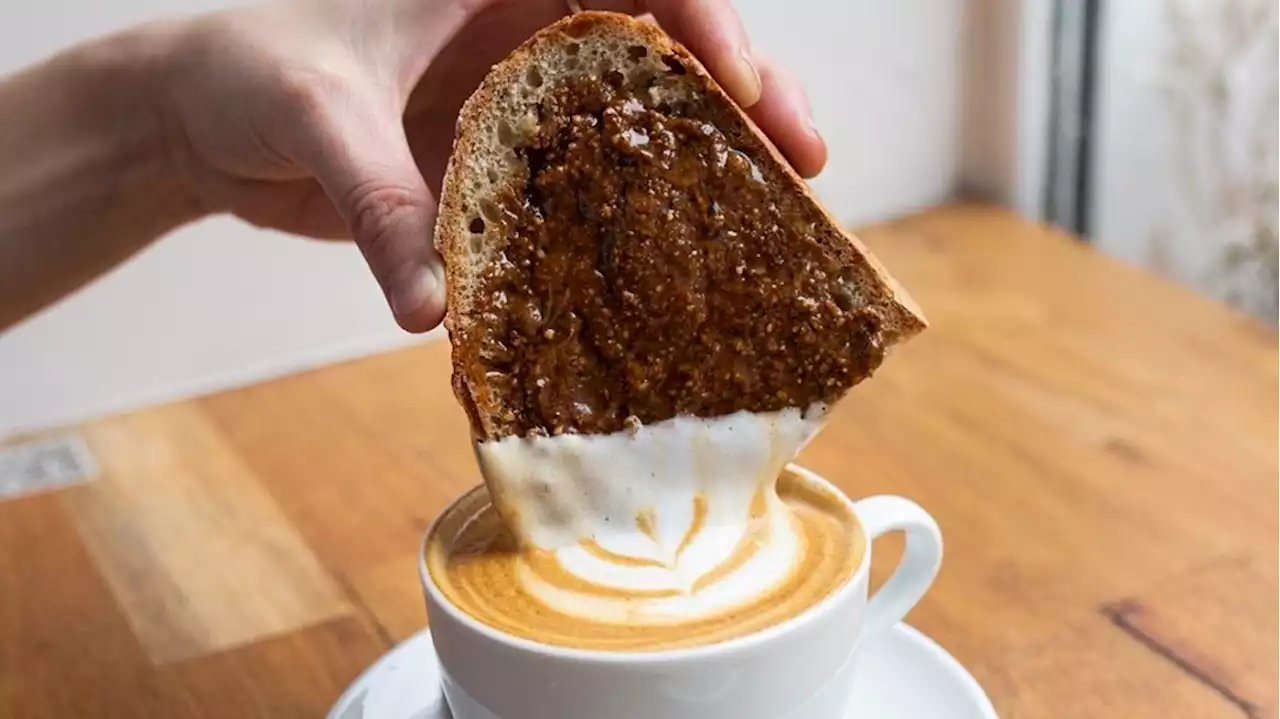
{"points": [[738, 561], [801, 542], [679, 533]]}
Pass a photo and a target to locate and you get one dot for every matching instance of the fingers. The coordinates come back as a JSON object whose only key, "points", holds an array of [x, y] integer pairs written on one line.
{"points": [[362, 160], [783, 114], [299, 207], [713, 32]]}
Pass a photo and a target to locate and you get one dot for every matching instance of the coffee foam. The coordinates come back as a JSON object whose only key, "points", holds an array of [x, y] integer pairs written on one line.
{"points": [[673, 522]]}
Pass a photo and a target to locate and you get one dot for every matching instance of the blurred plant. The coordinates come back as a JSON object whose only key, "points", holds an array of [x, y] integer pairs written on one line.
{"points": [[1220, 79]]}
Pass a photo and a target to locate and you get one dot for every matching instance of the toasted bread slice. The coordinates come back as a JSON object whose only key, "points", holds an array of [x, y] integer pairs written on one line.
{"points": [[623, 245]]}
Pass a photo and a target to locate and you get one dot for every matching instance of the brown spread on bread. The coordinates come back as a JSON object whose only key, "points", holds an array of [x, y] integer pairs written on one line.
{"points": [[652, 272], [622, 246]]}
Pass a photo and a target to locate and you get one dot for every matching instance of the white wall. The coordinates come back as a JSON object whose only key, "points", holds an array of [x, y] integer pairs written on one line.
{"points": [[885, 81], [219, 303], [1185, 143], [1006, 94]]}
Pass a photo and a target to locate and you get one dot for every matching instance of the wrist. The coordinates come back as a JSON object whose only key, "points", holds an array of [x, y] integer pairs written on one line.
{"points": [[129, 72]]}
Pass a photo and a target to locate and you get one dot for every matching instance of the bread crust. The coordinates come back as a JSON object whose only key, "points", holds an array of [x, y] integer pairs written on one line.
{"points": [[480, 165]]}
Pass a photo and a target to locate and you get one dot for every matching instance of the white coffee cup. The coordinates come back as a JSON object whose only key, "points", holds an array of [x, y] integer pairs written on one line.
{"points": [[799, 669]]}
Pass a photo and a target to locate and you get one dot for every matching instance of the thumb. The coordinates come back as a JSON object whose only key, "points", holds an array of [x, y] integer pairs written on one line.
{"points": [[361, 158]]}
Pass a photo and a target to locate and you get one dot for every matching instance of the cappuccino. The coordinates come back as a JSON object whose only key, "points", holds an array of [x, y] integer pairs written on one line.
{"points": [[794, 544]]}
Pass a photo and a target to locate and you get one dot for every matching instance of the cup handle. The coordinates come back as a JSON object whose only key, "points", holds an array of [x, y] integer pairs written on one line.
{"points": [[920, 561]]}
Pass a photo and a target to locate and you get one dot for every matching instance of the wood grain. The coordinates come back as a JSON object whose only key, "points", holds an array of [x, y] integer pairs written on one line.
{"points": [[1099, 446], [297, 675], [391, 595], [359, 461], [1189, 619], [60, 628], [196, 553], [1088, 669]]}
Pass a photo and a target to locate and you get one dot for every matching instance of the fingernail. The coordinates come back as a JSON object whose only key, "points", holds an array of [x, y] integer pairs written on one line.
{"points": [[409, 296], [812, 126], [819, 157], [747, 79]]}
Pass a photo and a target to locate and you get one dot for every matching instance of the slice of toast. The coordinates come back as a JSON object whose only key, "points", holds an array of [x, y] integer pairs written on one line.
{"points": [[622, 245]]}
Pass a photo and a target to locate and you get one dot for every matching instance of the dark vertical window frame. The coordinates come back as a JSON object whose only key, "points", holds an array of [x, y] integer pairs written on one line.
{"points": [[1075, 63]]}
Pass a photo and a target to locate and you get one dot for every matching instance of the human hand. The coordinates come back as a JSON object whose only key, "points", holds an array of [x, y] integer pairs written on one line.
{"points": [[334, 118]]}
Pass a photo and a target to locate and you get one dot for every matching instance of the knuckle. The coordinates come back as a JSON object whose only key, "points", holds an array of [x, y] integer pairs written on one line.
{"points": [[305, 91], [381, 215], [313, 86]]}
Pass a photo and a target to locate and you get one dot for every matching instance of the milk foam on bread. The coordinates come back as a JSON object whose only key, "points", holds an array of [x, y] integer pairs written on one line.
{"points": [[650, 314]]}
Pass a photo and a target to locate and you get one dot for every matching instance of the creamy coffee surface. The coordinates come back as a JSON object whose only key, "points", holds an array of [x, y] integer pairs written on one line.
{"points": [[683, 533]]}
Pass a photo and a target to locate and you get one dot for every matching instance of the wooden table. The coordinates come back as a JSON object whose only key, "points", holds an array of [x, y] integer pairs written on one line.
{"points": [[1099, 447]]}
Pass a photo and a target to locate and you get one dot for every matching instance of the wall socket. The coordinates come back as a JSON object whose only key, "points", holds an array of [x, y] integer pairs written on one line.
{"points": [[45, 464]]}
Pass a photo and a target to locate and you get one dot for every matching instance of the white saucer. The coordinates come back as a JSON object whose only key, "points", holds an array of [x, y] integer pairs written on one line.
{"points": [[903, 675]]}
